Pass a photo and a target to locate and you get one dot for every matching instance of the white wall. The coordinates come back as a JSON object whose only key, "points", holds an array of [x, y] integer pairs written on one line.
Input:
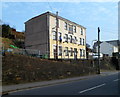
{"points": [[106, 48]]}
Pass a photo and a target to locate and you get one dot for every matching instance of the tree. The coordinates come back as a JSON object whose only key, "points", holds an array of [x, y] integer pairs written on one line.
{"points": [[6, 31]]}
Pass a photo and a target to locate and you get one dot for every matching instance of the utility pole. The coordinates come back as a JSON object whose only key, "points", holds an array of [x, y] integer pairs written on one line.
{"points": [[56, 35], [98, 66]]}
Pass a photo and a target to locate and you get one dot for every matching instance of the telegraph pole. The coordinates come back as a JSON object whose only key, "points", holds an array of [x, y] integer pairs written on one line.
{"points": [[98, 67], [56, 35]]}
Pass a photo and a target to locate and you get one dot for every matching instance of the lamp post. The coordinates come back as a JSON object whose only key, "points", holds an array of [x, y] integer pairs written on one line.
{"points": [[98, 66]]}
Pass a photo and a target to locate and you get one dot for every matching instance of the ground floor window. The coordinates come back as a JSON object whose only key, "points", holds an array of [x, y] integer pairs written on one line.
{"points": [[71, 51], [60, 50], [66, 51], [83, 53], [80, 52]]}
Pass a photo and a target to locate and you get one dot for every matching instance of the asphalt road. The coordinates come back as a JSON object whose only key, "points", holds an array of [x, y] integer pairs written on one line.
{"points": [[98, 85]]}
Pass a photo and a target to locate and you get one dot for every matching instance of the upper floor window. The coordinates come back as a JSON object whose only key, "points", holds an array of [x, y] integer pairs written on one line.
{"points": [[83, 42], [66, 37], [60, 36], [74, 29], [80, 41], [65, 25], [70, 29], [54, 35], [70, 38], [81, 31], [75, 39]]}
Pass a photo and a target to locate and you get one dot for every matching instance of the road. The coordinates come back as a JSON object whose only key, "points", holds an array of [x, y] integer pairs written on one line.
{"points": [[98, 85]]}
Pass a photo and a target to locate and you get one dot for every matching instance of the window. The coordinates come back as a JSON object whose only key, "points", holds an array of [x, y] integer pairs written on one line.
{"points": [[70, 29], [81, 31], [60, 37], [66, 38], [60, 50], [80, 52], [83, 53], [71, 51], [80, 41], [74, 29], [75, 41], [54, 50], [83, 42], [66, 51], [54, 35], [65, 26], [70, 38]]}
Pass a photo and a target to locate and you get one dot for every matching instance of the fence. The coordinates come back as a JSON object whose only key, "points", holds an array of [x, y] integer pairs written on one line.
{"points": [[46, 54], [28, 52]]}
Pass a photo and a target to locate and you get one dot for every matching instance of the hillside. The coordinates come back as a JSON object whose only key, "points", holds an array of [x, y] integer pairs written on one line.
{"points": [[6, 42]]}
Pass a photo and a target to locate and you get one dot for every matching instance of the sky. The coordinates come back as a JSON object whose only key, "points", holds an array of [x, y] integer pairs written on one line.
{"points": [[88, 14]]}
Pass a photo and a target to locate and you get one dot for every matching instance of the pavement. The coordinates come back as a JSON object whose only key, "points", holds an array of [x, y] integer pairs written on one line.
{"points": [[19, 87]]}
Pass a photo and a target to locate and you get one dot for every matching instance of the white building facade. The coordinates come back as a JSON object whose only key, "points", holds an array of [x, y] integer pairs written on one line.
{"points": [[107, 48]]}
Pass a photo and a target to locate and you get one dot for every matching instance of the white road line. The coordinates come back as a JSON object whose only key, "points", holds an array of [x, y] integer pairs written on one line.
{"points": [[116, 80], [92, 88]]}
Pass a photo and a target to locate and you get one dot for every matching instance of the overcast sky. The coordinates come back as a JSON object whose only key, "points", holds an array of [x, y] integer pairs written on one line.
{"points": [[89, 14]]}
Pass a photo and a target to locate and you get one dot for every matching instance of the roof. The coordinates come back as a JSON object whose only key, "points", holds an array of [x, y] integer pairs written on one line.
{"points": [[54, 15], [112, 42]]}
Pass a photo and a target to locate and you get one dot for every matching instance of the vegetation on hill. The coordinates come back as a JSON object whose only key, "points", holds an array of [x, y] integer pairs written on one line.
{"points": [[6, 42], [8, 37], [6, 31]]}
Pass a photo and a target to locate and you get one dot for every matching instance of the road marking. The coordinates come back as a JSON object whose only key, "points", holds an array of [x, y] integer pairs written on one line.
{"points": [[116, 80], [92, 88]]}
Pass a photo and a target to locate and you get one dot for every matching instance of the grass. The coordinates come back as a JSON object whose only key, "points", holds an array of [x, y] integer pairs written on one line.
{"points": [[6, 42]]}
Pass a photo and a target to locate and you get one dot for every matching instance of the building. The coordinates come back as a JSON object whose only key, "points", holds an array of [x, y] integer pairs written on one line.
{"points": [[40, 33], [107, 47]]}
